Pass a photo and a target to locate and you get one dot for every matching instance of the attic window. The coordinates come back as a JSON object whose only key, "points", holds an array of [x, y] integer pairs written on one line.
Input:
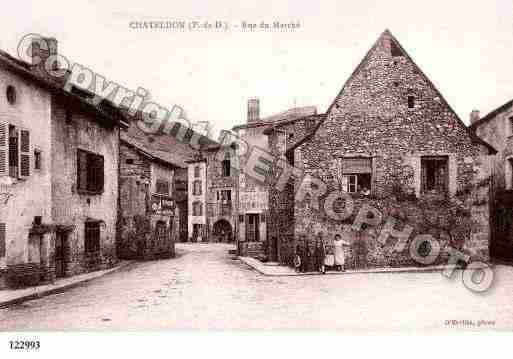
{"points": [[11, 94], [395, 50], [129, 161], [411, 101]]}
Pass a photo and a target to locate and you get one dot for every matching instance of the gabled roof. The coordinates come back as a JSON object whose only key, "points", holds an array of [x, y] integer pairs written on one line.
{"points": [[284, 117], [165, 147], [387, 33], [492, 115], [105, 110]]}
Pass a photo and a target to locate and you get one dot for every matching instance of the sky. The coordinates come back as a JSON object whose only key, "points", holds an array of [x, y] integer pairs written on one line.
{"points": [[464, 48]]}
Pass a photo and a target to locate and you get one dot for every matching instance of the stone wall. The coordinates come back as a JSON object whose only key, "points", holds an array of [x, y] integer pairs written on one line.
{"points": [[373, 118], [73, 129], [138, 217]]}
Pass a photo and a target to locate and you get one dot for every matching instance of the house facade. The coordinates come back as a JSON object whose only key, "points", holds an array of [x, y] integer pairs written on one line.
{"points": [[390, 141], [254, 195], [496, 128], [212, 190], [58, 173], [149, 214]]}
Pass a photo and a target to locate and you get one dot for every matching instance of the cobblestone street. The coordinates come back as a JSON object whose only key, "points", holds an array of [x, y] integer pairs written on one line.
{"points": [[204, 288]]}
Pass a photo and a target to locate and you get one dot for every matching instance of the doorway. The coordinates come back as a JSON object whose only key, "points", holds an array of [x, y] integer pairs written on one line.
{"points": [[252, 227], [61, 241], [501, 246]]}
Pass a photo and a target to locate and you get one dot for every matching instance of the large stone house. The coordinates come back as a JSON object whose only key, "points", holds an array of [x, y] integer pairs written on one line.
{"points": [[58, 174], [497, 129], [391, 141], [253, 196]]}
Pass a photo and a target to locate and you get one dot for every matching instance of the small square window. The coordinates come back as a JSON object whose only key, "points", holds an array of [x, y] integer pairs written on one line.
{"points": [[129, 161], [37, 160], [411, 101]]}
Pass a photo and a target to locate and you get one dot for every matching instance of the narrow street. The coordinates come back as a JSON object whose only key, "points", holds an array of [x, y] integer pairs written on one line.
{"points": [[204, 288]]}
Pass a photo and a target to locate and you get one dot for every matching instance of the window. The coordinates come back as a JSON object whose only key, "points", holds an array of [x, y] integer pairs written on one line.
{"points": [[435, 174], [14, 151], [395, 50], [411, 101], [3, 234], [290, 157], [509, 174], [90, 176], [162, 187], [37, 160], [196, 171], [196, 189], [129, 161], [197, 208], [69, 116], [226, 168], [356, 175], [10, 93], [92, 237], [225, 195]]}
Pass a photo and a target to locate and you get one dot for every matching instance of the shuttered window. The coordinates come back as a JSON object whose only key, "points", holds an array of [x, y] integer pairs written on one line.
{"points": [[3, 234], [90, 172], [24, 154], [4, 149], [162, 187], [15, 153]]}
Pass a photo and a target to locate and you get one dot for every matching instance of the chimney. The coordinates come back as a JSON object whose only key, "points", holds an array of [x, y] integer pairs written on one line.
{"points": [[253, 110], [44, 47], [474, 116]]}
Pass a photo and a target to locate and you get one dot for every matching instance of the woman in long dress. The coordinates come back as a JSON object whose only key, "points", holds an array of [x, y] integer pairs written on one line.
{"points": [[339, 251]]}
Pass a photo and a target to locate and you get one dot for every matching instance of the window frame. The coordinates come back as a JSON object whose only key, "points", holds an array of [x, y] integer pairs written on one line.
{"points": [[197, 188], [94, 182], [226, 167], [423, 174], [92, 227]]}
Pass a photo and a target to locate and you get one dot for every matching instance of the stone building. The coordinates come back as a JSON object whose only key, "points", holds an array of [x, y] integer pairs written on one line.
{"points": [[392, 142], [212, 196], [253, 196], [58, 174], [149, 192], [496, 128]]}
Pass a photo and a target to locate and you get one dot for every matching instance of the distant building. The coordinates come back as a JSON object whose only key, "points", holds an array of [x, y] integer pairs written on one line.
{"points": [[253, 196], [212, 195], [497, 129], [149, 196], [58, 175]]}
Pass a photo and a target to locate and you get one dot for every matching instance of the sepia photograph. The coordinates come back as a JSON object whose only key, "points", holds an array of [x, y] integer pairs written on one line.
{"points": [[272, 166]]}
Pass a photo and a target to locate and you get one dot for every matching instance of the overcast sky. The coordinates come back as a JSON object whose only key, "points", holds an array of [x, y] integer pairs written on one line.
{"points": [[465, 48]]}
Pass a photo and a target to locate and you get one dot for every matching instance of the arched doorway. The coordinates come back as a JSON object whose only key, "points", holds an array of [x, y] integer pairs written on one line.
{"points": [[222, 231]]}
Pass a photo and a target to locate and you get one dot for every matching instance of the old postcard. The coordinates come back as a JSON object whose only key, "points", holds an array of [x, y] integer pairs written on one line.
{"points": [[273, 165]]}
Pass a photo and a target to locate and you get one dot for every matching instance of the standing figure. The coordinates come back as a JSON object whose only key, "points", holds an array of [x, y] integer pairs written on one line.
{"points": [[320, 254], [339, 251], [297, 259]]}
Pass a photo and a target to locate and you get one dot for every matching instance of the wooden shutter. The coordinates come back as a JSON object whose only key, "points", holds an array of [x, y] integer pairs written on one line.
{"points": [[100, 174], [4, 149], [81, 170], [3, 235], [24, 154]]}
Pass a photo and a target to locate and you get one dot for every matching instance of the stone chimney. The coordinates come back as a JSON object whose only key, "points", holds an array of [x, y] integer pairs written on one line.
{"points": [[253, 110], [44, 47], [474, 116]]}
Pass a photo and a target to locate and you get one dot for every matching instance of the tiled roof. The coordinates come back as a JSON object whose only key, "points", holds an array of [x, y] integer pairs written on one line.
{"points": [[491, 115], [165, 147], [287, 116], [105, 109]]}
